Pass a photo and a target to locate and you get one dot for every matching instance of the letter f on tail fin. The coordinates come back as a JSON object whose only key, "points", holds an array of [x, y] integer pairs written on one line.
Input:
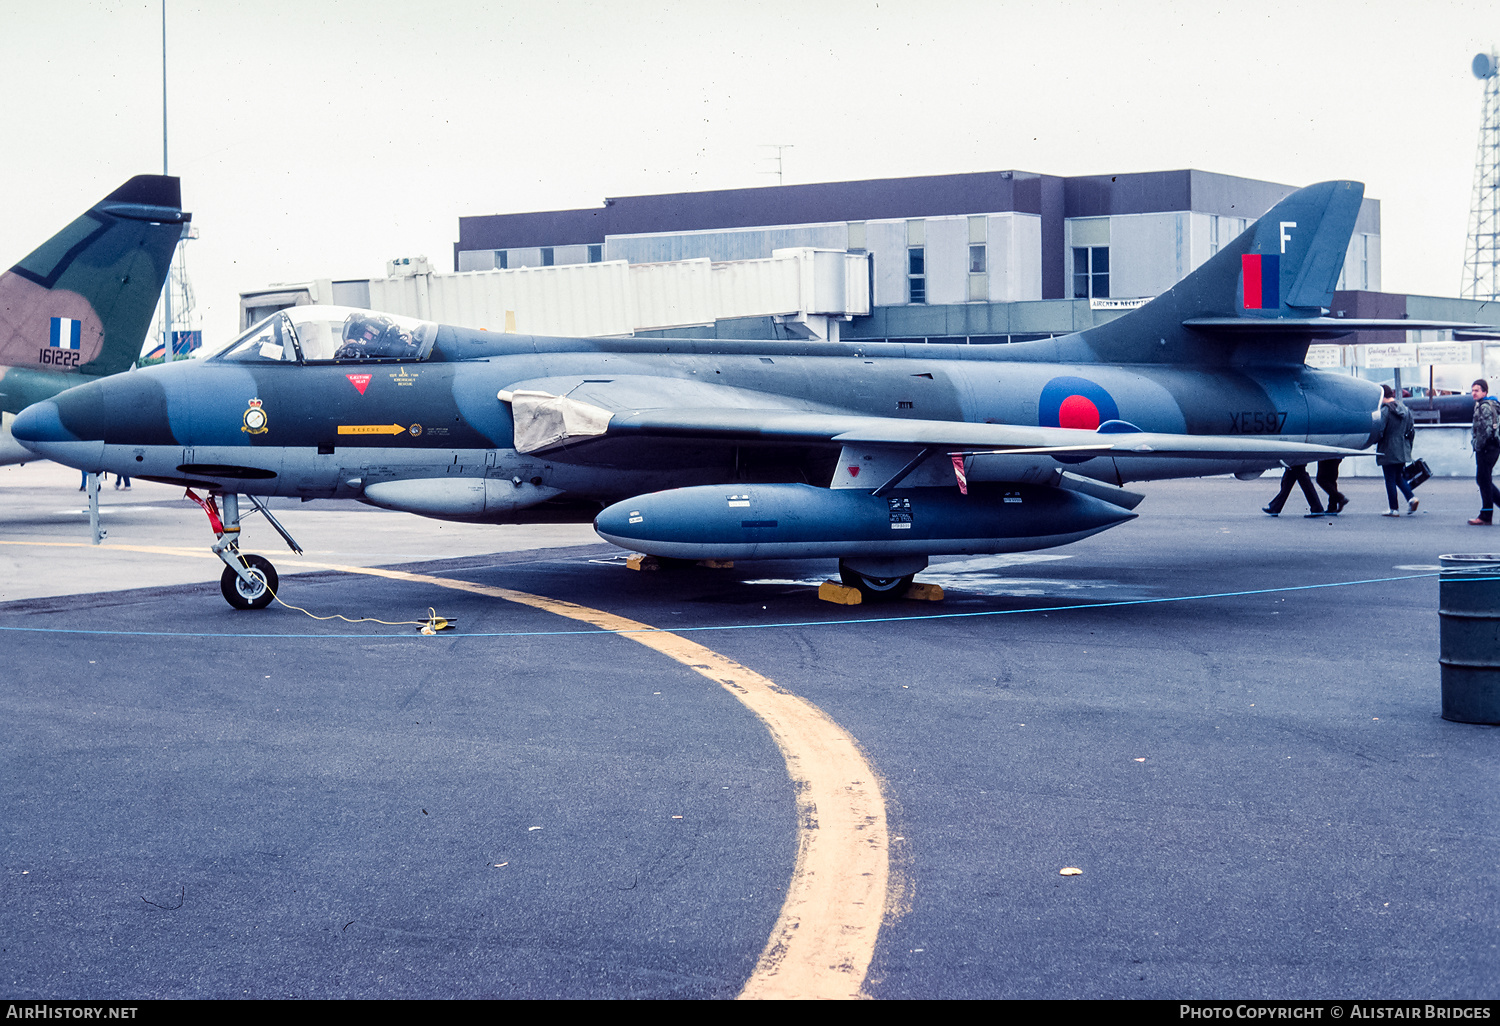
{"points": [[82, 302], [1291, 266], [1260, 297]]}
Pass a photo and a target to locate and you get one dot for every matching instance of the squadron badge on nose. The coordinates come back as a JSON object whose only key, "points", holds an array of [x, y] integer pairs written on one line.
{"points": [[255, 419]]}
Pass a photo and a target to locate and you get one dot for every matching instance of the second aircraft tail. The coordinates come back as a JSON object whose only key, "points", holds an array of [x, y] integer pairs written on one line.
{"points": [[82, 302]]}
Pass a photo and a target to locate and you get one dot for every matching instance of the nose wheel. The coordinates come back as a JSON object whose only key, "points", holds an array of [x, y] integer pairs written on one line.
{"points": [[255, 593], [249, 581]]}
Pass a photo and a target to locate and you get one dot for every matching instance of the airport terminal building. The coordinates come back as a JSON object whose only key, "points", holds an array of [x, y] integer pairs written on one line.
{"points": [[987, 256], [998, 236]]}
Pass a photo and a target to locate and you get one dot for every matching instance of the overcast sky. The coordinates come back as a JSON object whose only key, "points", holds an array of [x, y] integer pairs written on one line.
{"points": [[319, 138]]}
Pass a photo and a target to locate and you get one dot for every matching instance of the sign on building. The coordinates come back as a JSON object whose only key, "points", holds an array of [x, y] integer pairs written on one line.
{"points": [[1325, 357]]}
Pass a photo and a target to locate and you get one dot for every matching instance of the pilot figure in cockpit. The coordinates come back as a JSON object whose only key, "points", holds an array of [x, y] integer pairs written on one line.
{"points": [[375, 337]]}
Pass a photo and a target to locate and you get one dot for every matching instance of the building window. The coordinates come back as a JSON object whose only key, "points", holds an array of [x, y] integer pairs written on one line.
{"points": [[502, 259], [596, 254], [916, 274], [1223, 230], [979, 263], [1090, 272], [546, 256]]}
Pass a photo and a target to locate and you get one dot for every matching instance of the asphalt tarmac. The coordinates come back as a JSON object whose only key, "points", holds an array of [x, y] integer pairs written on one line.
{"points": [[1239, 748]]}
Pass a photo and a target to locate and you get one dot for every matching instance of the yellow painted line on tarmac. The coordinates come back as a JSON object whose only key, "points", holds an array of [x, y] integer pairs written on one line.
{"points": [[824, 940], [160, 550]]}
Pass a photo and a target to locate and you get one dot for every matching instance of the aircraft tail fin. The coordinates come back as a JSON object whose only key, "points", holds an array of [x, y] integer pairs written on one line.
{"points": [[82, 302], [1261, 298]]}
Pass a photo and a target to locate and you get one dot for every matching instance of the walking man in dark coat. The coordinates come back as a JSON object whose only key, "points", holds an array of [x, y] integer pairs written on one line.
{"points": [[1393, 452], [1295, 475], [1328, 480]]}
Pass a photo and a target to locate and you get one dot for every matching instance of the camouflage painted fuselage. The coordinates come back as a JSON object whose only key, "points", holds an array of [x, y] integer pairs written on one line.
{"points": [[333, 429]]}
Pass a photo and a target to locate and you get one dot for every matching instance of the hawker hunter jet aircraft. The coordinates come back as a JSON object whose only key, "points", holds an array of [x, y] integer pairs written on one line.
{"points": [[78, 307], [879, 455]]}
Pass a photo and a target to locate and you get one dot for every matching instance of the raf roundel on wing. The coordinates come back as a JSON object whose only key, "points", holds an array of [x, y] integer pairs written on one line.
{"points": [[1075, 403]]}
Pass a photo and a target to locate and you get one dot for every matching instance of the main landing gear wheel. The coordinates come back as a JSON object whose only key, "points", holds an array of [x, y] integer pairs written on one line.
{"points": [[241, 595], [876, 589]]}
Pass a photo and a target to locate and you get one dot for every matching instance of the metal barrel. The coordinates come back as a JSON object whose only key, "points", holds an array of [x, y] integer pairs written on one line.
{"points": [[1469, 629]]}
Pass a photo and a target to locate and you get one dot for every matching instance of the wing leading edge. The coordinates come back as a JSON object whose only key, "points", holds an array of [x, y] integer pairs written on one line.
{"points": [[777, 426]]}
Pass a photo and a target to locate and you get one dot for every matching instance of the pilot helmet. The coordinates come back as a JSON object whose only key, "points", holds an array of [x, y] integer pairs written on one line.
{"points": [[364, 327]]}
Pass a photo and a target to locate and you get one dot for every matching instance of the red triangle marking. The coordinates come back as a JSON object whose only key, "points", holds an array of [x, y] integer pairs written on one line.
{"points": [[359, 381]]}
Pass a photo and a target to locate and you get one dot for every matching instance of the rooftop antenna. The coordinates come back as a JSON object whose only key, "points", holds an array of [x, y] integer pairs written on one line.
{"points": [[1482, 255], [780, 148], [174, 343], [164, 87], [166, 296]]}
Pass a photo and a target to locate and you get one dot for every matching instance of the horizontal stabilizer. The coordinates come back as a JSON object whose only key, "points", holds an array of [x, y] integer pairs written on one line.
{"points": [[1320, 327]]}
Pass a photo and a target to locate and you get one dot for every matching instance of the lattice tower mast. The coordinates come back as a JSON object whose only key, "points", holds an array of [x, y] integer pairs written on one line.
{"points": [[1482, 255]]}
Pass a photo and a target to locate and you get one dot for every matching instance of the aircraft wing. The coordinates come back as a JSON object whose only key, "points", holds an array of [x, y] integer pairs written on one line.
{"points": [[953, 436], [551, 423]]}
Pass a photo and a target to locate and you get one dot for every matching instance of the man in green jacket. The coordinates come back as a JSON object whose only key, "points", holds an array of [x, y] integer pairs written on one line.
{"points": [[1486, 443]]}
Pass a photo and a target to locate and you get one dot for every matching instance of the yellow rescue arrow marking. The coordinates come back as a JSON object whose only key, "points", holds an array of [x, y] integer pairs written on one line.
{"points": [[371, 429]]}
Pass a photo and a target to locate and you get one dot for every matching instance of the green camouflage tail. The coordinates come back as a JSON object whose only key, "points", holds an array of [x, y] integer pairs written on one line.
{"points": [[82, 302]]}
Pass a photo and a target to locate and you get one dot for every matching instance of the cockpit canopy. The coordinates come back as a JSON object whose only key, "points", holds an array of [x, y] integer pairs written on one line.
{"points": [[332, 334]]}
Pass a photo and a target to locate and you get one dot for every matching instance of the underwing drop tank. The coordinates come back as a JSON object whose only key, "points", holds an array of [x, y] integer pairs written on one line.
{"points": [[798, 521], [464, 498]]}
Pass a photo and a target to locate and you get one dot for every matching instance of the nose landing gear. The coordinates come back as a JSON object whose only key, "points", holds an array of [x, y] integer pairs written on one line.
{"points": [[255, 593], [249, 581]]}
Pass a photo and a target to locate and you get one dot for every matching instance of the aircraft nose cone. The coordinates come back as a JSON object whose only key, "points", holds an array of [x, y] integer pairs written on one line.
{"points": [[44, 428], [39, 424]]}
